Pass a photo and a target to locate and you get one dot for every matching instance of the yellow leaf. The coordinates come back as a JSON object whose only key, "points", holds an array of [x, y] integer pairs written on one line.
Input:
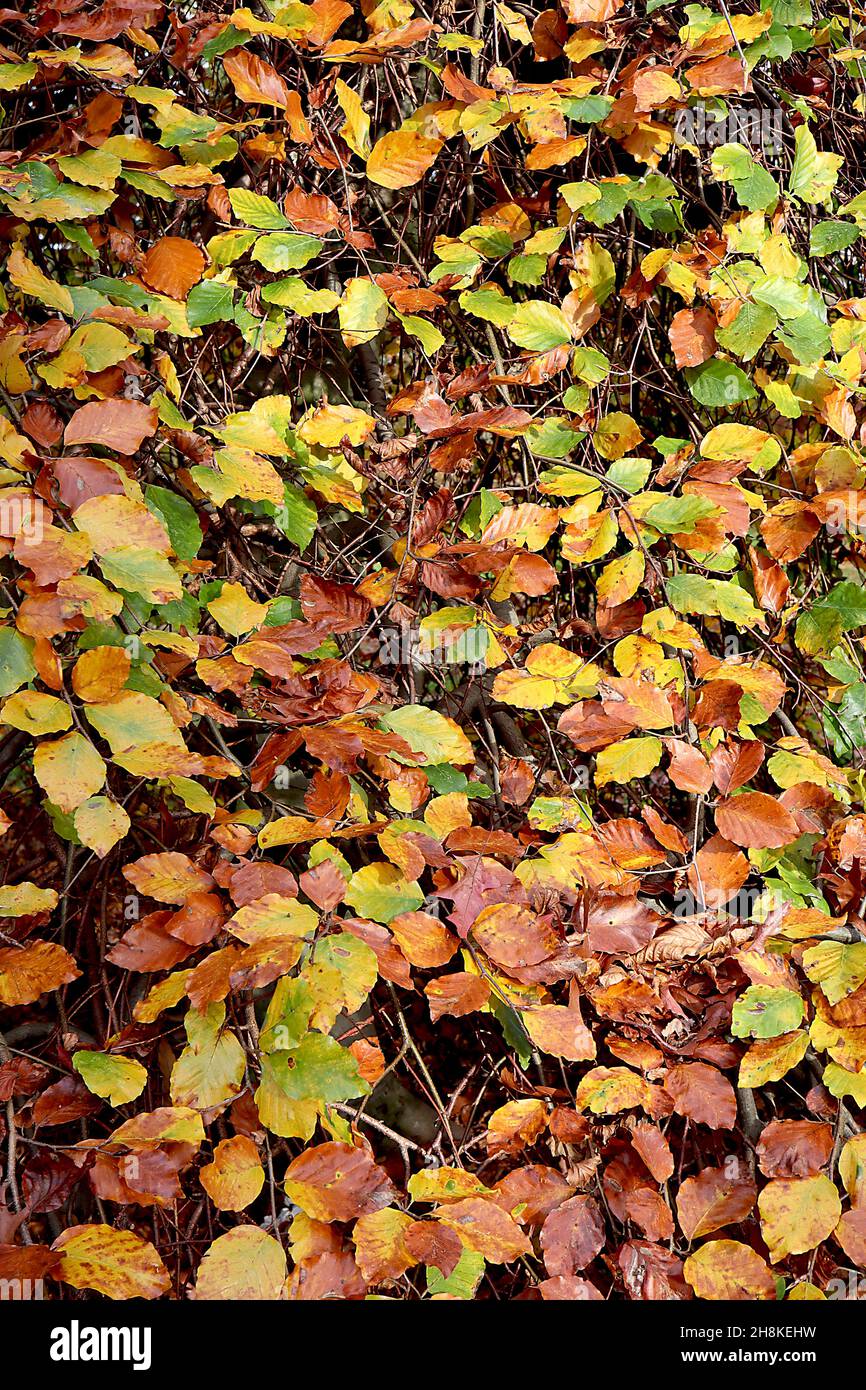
{"points": [[210, 1070], [235, 611], [797, 1214], [116, 1079], [329, 424], [69, 770], [243, 1265], [28, 278], [100, 823], [235, 1177], [36, 713], [607, 1090], [621, 579], [356, 128], [631, 757], [553, 675], [727, 1269], [25, 899], [362, 312], [242, 474]]}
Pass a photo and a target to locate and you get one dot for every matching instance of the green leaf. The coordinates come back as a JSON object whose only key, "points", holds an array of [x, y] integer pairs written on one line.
{"points": [[838, 969], [538, 326], [380, 892], [692, 593], [140, 571], [209, 302], [489, 303], [255, 210], [813, 175], [755, 189], [297, 517], [178, 517], [829, 237], [719, 385], [678, 513], [15, 75], [818, 630], [285, 250], [295, 294], [318, 1069], [462, 1282], [431, 735], [749, 331], [16, 663], [849, 601], [807, 337], [427, 333]]}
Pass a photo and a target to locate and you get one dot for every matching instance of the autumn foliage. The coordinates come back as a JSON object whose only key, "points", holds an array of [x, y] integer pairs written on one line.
{"points": [[432, 496]]}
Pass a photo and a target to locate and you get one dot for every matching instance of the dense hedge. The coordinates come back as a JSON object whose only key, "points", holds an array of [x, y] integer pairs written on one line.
{"points": [[432, 483]]}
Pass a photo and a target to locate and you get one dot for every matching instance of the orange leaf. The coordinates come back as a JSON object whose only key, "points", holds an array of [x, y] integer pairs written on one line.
{"points": [[693, 336], [117, 424], [34, 969], [172, 266], [756, 821], [254, 80], [401, 158]]}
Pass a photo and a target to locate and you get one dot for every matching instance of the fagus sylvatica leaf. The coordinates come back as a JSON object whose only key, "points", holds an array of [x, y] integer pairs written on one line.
{"points": [[432, 482]]}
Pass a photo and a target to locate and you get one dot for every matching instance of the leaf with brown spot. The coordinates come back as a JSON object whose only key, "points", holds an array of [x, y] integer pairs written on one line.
{"points": [[116, 1263], [797, 1214]]}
